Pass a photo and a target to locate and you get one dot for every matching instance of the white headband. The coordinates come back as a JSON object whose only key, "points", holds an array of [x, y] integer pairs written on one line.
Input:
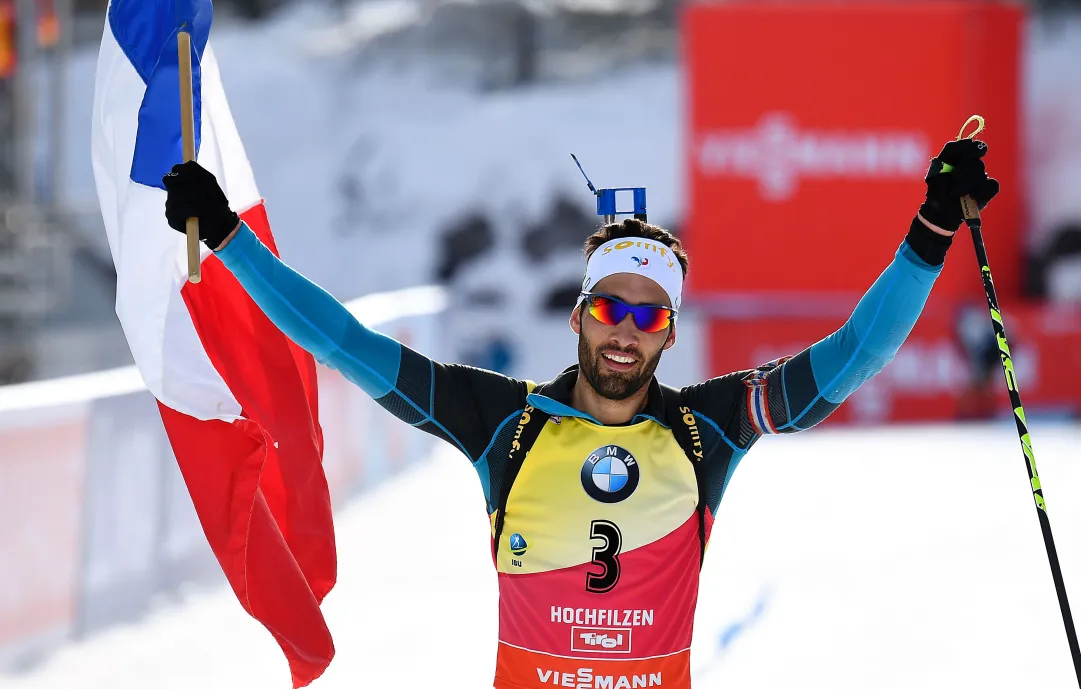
{"points": [[643, 257]]}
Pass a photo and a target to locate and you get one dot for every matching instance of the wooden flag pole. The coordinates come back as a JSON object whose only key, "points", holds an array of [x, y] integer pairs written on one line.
{"points": [[187, 133]]}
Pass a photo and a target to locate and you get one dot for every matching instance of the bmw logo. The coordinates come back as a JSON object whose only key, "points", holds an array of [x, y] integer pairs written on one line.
{"points": [[518, 544], [610, 474]]}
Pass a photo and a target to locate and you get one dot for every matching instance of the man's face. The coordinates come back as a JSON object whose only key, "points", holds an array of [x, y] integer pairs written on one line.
{"points": [[617, 360]]}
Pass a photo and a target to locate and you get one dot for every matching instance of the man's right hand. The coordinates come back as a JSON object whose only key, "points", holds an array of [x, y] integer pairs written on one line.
{"points": [[192, 192]]}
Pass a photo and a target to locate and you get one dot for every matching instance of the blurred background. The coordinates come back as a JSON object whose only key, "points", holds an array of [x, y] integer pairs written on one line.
{"points": [[416, 152]]}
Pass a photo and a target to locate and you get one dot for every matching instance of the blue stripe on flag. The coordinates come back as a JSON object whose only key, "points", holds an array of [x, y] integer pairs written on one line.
{"points": [[146, 31]]}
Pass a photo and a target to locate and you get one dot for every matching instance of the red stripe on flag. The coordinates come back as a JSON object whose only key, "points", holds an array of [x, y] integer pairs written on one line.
{"points": [[258, 484]]}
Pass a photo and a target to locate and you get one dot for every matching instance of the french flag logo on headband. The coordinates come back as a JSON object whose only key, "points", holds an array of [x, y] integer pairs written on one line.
{"points": [[652, 260]]}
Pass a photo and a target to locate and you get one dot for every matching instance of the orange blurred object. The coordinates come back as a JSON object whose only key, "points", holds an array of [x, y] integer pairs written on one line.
{"points": [[48, 31], [7, 39], [48, 24], [810, 130]]}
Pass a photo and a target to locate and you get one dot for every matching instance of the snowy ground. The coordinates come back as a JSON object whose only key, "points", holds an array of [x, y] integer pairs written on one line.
{"points": [[908, 557]]}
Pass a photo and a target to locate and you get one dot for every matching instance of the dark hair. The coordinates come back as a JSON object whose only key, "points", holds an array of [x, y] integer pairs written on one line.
{"points": [[637, 229]]}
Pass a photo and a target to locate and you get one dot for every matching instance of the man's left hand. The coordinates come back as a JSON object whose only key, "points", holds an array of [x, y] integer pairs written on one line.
{"points": [[957, 171]]}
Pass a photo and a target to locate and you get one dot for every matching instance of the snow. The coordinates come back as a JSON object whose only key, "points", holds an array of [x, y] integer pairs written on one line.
{"points": [[841, 559]]}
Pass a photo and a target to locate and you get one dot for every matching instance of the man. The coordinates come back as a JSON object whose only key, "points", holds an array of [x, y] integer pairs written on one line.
{"points": [[602, 484]]}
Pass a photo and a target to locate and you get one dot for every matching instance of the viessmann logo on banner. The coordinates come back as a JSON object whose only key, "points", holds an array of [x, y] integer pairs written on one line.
{"points": [[778, 153]]}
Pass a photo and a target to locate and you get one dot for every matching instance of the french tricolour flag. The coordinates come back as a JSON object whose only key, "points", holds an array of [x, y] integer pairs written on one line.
{"points": [[237, 398]]}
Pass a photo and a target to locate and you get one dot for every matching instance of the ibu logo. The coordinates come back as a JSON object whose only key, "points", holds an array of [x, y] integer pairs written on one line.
{"points": [[518, 545], [610, 474], [640, 262]]}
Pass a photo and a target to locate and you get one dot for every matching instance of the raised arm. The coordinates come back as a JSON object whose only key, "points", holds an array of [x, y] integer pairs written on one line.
{"points": [[460, 404], [795, 393], [311, 317]]}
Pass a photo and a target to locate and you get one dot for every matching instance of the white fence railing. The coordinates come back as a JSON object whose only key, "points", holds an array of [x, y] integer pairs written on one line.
{"points": [[95, 519]]}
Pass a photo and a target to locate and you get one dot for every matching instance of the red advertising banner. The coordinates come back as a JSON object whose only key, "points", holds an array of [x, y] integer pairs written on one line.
{"points": [[810, 129]]}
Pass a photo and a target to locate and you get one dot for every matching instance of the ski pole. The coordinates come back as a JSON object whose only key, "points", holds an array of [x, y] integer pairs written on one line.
{"points": [[972, 218]]}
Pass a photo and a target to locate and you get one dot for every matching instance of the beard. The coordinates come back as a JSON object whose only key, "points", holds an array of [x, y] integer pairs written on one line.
{"points": [[614, 385]]}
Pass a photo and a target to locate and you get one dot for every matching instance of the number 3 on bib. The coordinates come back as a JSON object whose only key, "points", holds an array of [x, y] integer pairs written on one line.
{"points": [[605, 556]]}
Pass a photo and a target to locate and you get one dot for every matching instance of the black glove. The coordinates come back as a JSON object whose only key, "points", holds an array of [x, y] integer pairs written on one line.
{"points": [[965, 175], [192, 192], [966, 178]]}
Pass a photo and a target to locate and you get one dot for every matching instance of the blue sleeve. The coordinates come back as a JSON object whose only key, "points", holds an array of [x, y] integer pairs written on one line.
{"points": [[877, 328], [795, 393], [802, 391], [311, 317], [463, 405]]}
